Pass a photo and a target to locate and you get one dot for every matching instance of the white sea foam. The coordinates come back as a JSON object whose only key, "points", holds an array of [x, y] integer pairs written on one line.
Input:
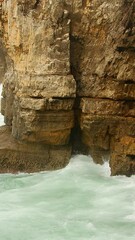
{"points": [[80, 202]]}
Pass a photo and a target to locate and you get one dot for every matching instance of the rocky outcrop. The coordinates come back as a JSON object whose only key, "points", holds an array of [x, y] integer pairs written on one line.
{"points": [[103, 53], [69, 81], [39, 90], [30, 157], [2, 52]]}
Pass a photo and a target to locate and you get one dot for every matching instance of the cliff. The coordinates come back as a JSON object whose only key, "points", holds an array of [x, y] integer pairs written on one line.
{"points": [[69, 83]]}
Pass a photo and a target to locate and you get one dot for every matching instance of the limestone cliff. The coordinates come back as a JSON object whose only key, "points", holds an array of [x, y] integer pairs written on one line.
{"points": [[39, 90], [69, 81], [102, 60]]}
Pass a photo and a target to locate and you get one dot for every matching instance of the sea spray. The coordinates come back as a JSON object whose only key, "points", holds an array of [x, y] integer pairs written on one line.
{"points": [[81, 202]]}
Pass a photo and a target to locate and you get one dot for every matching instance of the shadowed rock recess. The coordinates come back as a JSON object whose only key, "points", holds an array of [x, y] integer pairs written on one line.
{"points": [[69, 84]]}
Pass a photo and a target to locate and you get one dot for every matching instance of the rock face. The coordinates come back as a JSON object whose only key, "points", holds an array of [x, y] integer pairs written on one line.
{"points": [[39, 89], [70, 65], [103, 53]]}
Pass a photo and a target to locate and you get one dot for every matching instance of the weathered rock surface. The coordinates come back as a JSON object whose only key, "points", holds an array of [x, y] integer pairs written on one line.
{"points": [[102, 61], [29, 157], [39, 89], [69, 65]]}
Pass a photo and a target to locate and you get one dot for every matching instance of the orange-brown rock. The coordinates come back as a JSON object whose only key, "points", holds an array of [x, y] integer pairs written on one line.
{"points": [[102, 60], [70, 74], [29, 157], [95, 106], [39, 89], [123, 156], [122, 164], [50, 127]]}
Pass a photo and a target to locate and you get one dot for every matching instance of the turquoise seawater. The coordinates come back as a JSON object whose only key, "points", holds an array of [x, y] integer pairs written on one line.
{"points": [[79, 202]]}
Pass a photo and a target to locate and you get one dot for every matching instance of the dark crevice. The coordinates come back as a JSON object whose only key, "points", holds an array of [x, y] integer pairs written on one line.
{"points": [[76, 39], [130, 104], [36, 97], [128, 15], [112, 99], [77, 103], [78, 147], [62, 98], [76, 48], [84, 3], [129, 25], [129, 82], [36, 4], [125, 48], [131, 157]]}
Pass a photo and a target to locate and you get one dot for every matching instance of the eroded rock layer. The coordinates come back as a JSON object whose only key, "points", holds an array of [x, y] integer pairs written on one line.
{"points": [[39, 90], [102, 60], [69, 68]]}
